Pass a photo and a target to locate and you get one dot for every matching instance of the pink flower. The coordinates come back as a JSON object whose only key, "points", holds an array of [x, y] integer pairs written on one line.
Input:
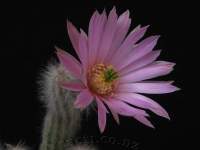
{"points": [[113, 68]]}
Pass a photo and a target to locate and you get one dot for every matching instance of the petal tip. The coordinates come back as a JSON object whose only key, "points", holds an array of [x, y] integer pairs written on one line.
{"points": [[101, 130], [177, 89], [114, 8], [58, 50], [167, 116], [172, 64], [164, 114], [69, 24], [156, 37], [146, 27], [104, 12], [127, 13], [152, 126]]}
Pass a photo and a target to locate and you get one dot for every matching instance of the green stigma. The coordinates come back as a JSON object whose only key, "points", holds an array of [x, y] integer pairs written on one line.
{"points": [[110, 74]]}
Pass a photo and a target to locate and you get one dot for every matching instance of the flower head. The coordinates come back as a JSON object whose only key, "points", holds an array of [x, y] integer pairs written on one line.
{"points": [[114, 67]]}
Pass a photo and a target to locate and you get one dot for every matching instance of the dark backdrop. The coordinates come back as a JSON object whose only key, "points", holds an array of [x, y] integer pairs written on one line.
{"points": [[30, 31]]}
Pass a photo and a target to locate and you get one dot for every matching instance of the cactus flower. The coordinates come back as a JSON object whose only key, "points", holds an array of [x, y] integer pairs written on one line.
{"points": [[113, 68]]}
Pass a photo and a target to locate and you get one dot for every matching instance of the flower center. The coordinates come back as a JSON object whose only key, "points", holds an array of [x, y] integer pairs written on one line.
{"points": [[102, 79]]}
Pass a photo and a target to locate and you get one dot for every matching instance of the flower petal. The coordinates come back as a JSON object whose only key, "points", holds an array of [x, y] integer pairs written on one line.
{"points": [[139, 51], [143, 102], [69, 62], [147, 59], [133, 37], [108, 35], [126, 110], [123, 108], [101, 115], [128, 44], [83, 99], [73, 86], [115, 116], [96, 29], [73, 35], [148, 87], [83, 46], [158, 68], [123, 24], [144, 120]]}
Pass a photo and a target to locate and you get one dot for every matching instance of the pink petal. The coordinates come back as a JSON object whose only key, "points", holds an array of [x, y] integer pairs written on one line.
{"points": [[108, 35], [139, 51], [128, 44], [69, 62], [101, 115], [126, 110], [83, 99], [73, 35], [83, 46], [133, 37], [90, 33], [96, 29], [156, 69], [123, 24], [147, 59], [73, 86], [115, 116], [144, 121], [148, 87], [143, 102], [123, 108]]}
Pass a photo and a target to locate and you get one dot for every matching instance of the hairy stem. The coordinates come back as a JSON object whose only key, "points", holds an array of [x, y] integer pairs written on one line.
{"points": [[62, 120]]}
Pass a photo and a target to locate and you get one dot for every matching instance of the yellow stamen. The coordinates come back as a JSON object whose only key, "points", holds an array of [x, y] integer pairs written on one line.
{"points": [[102, 79]]}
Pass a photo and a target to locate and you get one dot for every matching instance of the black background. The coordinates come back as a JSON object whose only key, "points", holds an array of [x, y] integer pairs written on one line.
{"points": [[31, 30]]}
